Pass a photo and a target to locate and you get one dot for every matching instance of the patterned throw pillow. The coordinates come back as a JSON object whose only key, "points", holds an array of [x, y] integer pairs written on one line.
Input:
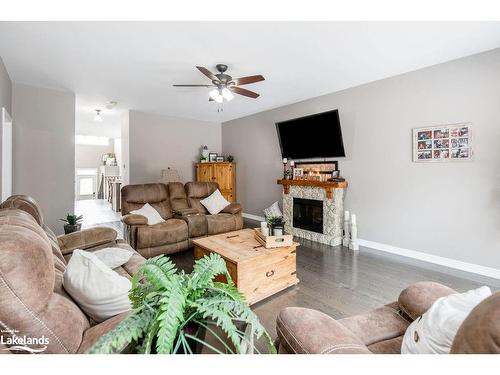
{"points": [[273, 211]]}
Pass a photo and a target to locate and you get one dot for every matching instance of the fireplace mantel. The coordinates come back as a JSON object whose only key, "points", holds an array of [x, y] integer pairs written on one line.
{"points": [[327, 185]]}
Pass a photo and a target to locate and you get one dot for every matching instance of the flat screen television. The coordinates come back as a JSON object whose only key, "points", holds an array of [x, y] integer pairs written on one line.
{"points": [[314, 136]]}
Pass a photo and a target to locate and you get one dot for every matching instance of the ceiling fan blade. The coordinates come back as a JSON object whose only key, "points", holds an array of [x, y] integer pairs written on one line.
{"points": [[244, 92], [248, 80], [207, 72], [193, 85]]}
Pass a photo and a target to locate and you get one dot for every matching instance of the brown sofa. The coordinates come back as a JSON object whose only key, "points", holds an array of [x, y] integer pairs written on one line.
{"points": [[32, 262], [185, 217], [307, 331]]}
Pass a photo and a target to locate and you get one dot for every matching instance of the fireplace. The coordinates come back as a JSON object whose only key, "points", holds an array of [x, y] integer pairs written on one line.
{"points": [[308, 214]]}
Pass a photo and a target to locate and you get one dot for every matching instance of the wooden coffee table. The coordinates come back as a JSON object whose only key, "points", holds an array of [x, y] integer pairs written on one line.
{"points": [[257, 272]]}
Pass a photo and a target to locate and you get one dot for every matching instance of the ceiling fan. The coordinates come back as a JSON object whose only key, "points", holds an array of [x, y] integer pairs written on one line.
{"points": [[225, 85]]}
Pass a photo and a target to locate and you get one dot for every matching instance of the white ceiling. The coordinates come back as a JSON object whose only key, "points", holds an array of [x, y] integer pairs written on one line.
{"points": [[136, 63]]}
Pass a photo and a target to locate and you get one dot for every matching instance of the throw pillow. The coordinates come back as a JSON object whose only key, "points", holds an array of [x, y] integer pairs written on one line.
{"points": [[150, 213], [434, 331], [215, 202], [95, 287], [113, 257], [273, 211]]}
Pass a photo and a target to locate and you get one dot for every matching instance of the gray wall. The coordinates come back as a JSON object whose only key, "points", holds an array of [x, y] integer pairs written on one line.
{"points": [[445, 209], [5, 102], [44, 149], [90, 156], [5, 89], [157, 142]]}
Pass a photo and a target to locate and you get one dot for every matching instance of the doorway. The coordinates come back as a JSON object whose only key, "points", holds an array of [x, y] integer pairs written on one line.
{"points": [[86, 183]]}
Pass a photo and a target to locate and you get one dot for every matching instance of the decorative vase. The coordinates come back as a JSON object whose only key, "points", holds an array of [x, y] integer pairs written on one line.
{"points": [[68, 228], [204, 153]]}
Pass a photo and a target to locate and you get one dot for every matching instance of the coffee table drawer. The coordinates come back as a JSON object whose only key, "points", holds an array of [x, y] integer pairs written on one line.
{"points": [[258, 281]]}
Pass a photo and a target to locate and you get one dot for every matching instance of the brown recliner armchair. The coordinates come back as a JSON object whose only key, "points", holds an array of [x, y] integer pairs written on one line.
{"points": [[228, 220], [185, 217], [32, 262], [381, 331], [168, 237]]}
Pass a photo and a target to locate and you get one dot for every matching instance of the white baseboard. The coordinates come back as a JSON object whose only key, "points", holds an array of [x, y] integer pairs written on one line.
{"points": [[447, 262], [435, 259], [253, 217]]}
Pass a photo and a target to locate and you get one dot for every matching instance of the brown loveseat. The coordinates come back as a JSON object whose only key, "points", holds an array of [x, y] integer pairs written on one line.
{"points": [[307, 331], [32, 262], [185, 217]]}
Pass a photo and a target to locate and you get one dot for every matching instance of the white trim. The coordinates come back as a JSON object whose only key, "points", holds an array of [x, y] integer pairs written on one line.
{"points": [[253, 217], [447, 262]]}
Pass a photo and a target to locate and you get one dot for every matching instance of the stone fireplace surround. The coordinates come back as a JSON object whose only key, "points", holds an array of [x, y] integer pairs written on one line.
{"points": [[332, 196]]}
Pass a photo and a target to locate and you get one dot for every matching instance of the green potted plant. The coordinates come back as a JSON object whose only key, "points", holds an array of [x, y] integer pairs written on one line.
{"points": [[230, 158], [287, 173], [173, 311], [276, 225], [72, 223]]}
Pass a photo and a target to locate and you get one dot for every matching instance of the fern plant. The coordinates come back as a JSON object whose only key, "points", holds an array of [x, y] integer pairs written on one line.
{"points": [[167, 303]]}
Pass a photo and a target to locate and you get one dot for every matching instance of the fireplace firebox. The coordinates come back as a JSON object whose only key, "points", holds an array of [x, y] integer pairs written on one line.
{"points": [[308, 214]]}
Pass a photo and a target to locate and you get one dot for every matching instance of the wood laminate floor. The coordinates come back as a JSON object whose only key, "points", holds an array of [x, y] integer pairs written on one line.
{"points": [[341, 283]]}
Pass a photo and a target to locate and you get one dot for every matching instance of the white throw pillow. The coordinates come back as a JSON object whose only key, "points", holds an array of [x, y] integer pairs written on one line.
{"points": [[273, 211], [149, 213], [113, 257], [95, 287], [434, 331], [215, 202]]}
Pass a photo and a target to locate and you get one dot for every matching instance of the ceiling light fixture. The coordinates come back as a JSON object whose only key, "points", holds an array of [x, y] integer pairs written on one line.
{"points": [[227, 94], [98, 117], [216, 95], [111, 105]]}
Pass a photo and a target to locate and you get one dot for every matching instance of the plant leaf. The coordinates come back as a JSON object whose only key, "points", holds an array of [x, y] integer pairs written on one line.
{"points": [[228, 290], [129, 330], [206, 268], [172, 302]]}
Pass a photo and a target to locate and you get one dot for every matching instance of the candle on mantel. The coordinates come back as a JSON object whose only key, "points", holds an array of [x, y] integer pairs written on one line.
{"points": [[292, 163], [285, 160]]}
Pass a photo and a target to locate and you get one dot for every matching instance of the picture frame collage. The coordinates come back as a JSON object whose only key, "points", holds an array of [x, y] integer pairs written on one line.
{"points": [[443, 143]]}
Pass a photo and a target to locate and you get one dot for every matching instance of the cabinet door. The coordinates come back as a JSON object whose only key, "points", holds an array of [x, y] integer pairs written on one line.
{"points": [[224, 176], [205, 172]]}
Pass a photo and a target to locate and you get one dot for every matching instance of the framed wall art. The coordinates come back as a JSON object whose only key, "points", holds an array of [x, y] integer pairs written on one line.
{"points": [[443, 143]]}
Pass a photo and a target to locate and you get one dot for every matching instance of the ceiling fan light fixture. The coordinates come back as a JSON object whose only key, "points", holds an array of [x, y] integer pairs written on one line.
{"points": [[227, 94], [216, 95], [98, 117]]}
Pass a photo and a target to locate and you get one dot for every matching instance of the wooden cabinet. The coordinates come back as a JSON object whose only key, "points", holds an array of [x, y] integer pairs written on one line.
{"points": [[224, 173]]}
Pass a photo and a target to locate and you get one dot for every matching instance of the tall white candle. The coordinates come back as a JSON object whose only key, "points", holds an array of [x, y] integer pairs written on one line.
{"points": [[353, 244], [264, 228], [347, 235], [285, 160]]}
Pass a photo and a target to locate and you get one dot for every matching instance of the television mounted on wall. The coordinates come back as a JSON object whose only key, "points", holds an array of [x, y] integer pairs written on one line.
{"points": [[314, 136]]}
